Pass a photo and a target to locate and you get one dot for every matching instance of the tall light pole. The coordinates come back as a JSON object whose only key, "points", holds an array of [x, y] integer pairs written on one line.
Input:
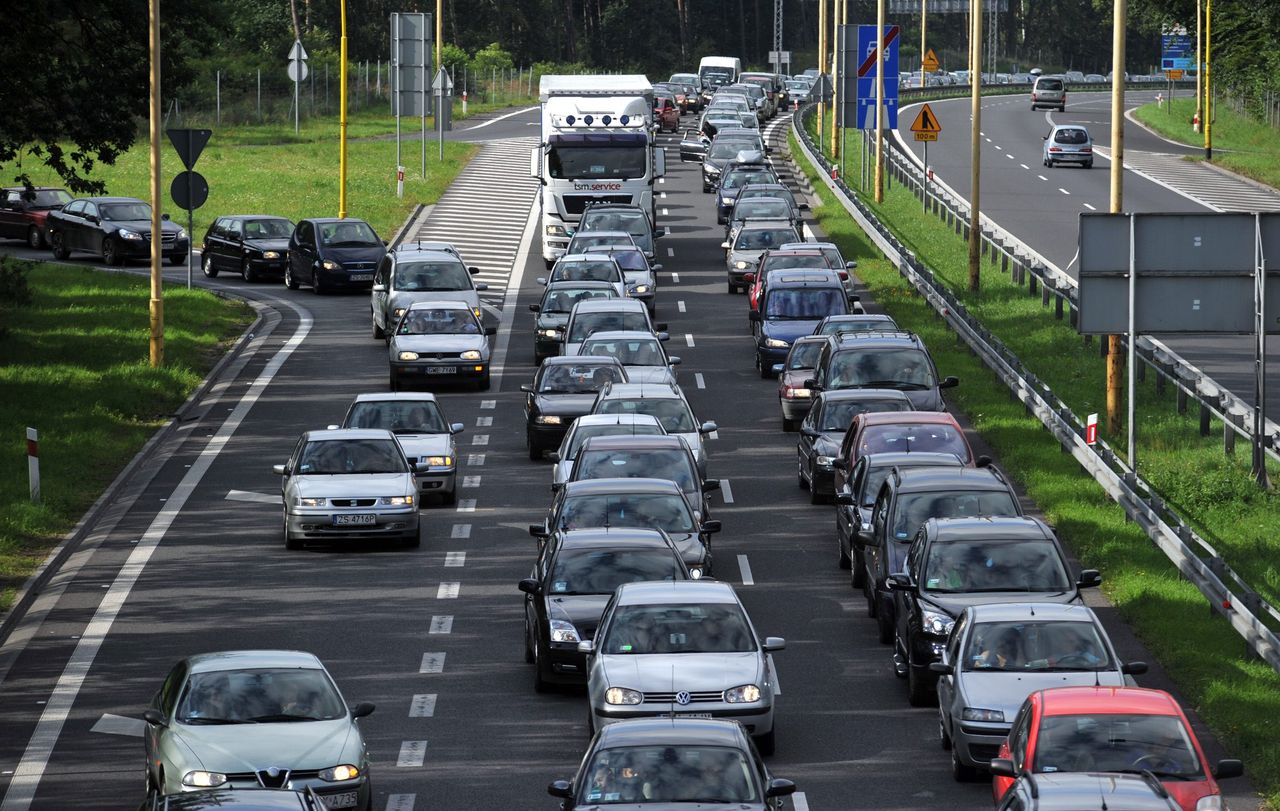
{"points": [[822, 69], [156, 308], [837, 79], [439, 34], [1199, 115], [1208, 80], [923, 5], [342, 118], [879, 187], [975, 146], [1115, 360]]}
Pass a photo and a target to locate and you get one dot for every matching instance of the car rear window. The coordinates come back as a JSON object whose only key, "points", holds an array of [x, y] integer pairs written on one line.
{"points": [[1071, 137], [1049, 84]]}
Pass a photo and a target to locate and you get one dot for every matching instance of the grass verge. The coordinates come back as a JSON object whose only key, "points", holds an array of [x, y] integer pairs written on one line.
{"points": [[74, 365], [1239, 698], [1242, 144]]}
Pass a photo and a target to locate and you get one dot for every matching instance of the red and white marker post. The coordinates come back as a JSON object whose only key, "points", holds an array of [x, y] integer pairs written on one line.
{"points": [[33, 464], [1091, 429]]}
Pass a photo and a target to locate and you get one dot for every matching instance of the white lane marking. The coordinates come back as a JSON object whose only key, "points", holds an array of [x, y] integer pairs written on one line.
{"points": [[466, 505], [441, 624], [671, 252], [1042, 177], [432, 663], [777, 685], [475, 460], [488, 403], [1010, 157], [798, 802], [697, 378], [675, 277], [412, 754], [662, 180], [448, 591], [461, 531], [110, 724], [455, 559], [662, 194], [480, 439], [726, 492], [713, 435], [1091, 208], [484, 422], [424, 705], [745, 568], [402, 802], [680, 306], [256, 498], [1024, 166], [988, 140], [664, 211], [1064, 191], [688, 338], [470, 481], [498, 364], [495, 121], [997, 146], [35, 758]]}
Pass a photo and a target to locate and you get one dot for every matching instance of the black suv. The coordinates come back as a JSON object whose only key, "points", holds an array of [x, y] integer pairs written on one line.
{"points": [[891, 359], [954, 563], [909, 497]]}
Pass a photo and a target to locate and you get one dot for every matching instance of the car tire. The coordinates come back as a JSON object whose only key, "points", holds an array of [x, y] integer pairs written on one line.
{"points": [[535, 452], [869, 594], [884, 624], [177, 259], [962, 772], [110, 254], [540, 685], [943, 738], [788, 425], [591, 720], [247, 272], [919, 691], [290, 542], [450, 497], [206, 265], [35, 239], [484, 384], [289, 281], [378, 334], [57, 247], [765, 371], [768, 742], [316, 284], [804, 485], [732, 288], [1088, 164], [394, 383], [843, 560]]}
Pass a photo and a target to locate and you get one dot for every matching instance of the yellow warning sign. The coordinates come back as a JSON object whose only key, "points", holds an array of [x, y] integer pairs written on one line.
{"points": [[930, 61], [926, 126], [1173, 75]]}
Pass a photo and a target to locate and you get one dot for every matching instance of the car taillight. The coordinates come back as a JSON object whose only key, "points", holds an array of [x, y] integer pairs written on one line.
{"points": [[1054, 149], [844, 276]]}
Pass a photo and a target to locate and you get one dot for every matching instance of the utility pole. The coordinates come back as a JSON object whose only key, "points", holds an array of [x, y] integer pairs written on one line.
{"points": [[822, 68], [838, 10], [879, 181], [1208, 80], [439, 35], [342, 119], [1199, 114], [157, 284], [975, 148], [1115, 360], [777, 35], [923, 50]]}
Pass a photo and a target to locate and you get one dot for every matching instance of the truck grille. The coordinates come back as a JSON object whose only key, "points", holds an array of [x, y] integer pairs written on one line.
{"points": [[577, 203]]}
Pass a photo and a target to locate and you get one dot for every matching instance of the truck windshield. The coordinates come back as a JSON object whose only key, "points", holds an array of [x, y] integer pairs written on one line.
{"points": [[714, 77], [597, 162]]}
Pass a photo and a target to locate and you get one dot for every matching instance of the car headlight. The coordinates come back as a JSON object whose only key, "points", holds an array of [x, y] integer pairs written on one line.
{"points": [[980, 714], [741, 265], [470, 354], [640, 289], [622, 695], [746, 694], [440, 461], [311, 502], [329, 264], [709, 169], [547, 419], [726, 201], [936, 623], [339, 773], [549, 333], [799, 394], [270, 254], [125, 233], [825, 461], [563, 631], [182, 233], [396, 501], [203, 779], [408, 355], [1211, 803], [556, 231], [774, 343], [477, 312], [397, 312]]}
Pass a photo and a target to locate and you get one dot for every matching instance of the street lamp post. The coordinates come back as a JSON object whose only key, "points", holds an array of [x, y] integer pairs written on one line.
{"points": [[342, 118]]}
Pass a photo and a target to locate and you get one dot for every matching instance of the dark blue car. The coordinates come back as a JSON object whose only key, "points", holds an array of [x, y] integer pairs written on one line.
{"points": [[793, 305], [333, 254]]}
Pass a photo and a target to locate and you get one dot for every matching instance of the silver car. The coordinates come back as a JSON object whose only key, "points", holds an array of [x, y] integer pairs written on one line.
{"points": [[640, 353], [422, 431], [664, 401], [413, 273], [589, 425], [256, 719], [742, 251], [998, 654], [681, 649], [597, 315], [588, 267], [1069, 143], [349, 483], [439, 341]]}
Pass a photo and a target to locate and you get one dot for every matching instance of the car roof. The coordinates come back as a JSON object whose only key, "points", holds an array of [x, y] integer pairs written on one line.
{"points": [[385, 396], [113, 200], [1107, 701], [249, 659], [907, 418], [671, 732], [626, 234], [1074, 791], [613, 537], [440, 304], [348, 433], [587, 487], [416, 253], [619, 335], [760, 225], [617, 419], [606, 305], [250, 217], [859, 318], [584, 284], [846, 395], [581, 360], [637, 442], [675, 591], [1031, 612], [785, 252], [987, 528], [912, 459], [641, 390], [817, 339], [925, 479], [591, 256]]}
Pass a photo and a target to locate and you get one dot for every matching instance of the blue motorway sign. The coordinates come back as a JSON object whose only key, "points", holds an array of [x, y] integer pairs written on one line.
{"points": [[864, 66], [1177, 52]]}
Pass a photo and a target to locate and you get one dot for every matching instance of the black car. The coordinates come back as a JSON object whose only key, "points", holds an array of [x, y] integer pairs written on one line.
{"points": [[957, 562], [573, 578], [645, 457], [668, 763], [747, 168], [333, 254], [253, 245], [553, 312], [563, 389], [908, 498], [115, 228], [241, 799], [823, 430], [883, 360], [640, 276], [722, 149], [24, 212]]}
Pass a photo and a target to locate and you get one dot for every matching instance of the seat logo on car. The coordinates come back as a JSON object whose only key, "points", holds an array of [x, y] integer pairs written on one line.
{"points": [[682, 697]]}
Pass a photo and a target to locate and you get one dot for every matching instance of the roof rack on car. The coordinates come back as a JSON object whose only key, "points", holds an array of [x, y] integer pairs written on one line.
{"points": [[877, 333]]}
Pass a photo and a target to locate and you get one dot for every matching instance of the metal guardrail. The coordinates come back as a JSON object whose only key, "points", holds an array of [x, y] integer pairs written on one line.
{"points": [[1227, 593]]}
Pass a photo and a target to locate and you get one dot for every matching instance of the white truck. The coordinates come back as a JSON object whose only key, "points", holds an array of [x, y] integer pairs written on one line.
{"points": [[716, 72], [598, 145]]}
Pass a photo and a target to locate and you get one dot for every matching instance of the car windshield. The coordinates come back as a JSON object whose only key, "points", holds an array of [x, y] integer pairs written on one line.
{"points": [[871, 481], [1030, 646], [1071, 136], [804, 355], [715, 76], [586, 323], [760, 239], [398, 416], [1117, 743], [586, 243], [260, 695], [694, 628], [665, 511], [905, 369], [630, 352], [45, 198], [957, 567], [580, 433], [654, 463], [562, 300], [633, 222], [727, 149], [631, 260], [585, 271], [428, 321], [833, 256], [267, 229], [761, 208], [788, 261], [601, 571], [669, 774], [928, 437], [577, 378], [597, 162], [120, 212], [342, 456], [802, 87], [838, 326], [347, 234], [913, 509], [837, 414], [738, 178], [418, 276], [672, 412], [804, 303]]}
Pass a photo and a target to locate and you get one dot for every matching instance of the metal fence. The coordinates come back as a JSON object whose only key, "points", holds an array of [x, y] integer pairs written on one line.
{"points": [[1264, 107]]}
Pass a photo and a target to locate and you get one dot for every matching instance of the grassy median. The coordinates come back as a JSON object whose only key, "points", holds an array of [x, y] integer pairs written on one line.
{"points": [[1239, 698], [74, 366], [1242, 144]]}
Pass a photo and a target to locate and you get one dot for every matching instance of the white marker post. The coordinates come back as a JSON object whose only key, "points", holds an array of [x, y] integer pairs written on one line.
{"points": [[1091, 429], [33, 464], [399, 181]]}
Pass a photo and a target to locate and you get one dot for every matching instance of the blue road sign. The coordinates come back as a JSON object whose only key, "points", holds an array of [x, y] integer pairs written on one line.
{"points": [[1177, 52], [866, 72]]}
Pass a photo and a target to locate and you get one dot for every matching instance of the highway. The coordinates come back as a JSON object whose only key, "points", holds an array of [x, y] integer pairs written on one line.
{"points": [[190, 558]]}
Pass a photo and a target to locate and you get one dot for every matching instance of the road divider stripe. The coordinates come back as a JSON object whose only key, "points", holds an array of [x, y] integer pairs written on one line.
{"points": [[475, 460], [798, 800], [675, 277], [441, 624], [253, 498], [745, 568], [466, 505], [484, 422], [412, 754], [1042, 177], [448, 591], [488, 403], [697, 378], [480, 439], [726, 491], [424, 705], [432, 663], [401, 802], [680, 306], [1091, 208], [470, 481], [461, 531], [1064, 191], [453, 560], [688, 338]]}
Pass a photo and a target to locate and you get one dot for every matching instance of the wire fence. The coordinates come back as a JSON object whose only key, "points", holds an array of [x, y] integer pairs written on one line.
{"points": [[1263, 107]]}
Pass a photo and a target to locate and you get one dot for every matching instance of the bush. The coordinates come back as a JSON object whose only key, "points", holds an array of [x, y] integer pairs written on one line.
{"points": [[14, 291], [489, 58]]}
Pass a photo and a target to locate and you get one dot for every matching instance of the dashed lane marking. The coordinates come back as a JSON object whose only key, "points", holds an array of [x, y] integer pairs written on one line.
{"points": [[441, 624], [461, 531], [469, 482], [110, 724], [726, 492], [745, 568], [480, 439], [1024, 166], [697, 378], [671, 252], [254, 498], [466, 505], [1091, 208], [475, 460], [424, 705], [1064, 191], [680, 306], [401, 802], [798, 801], [455, 559], [488, 403], [675, 277], [688, 338], [432, 663], [412, 754], [484, 422], [1042, 177], [448, 591]]}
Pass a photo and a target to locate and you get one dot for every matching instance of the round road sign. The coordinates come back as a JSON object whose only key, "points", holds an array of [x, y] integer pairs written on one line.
{"points": [[189, 190], [297, 71]]}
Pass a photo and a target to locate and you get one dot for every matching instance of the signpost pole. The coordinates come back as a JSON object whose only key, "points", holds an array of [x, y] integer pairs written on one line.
{"points": [[975, 150], [924, 180], [837, 78], [1114, 360], [923, 5], [1133, 344], [1207, 118], [822, 69], [879, 40], [191, 194], [1199, 114], [1260, 359], [156, 309]]}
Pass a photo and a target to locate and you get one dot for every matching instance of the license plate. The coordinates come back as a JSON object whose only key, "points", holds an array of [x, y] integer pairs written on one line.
{"points": [[361, 277], [357, 519], [442, 370], [686, 715], [345, 800]]}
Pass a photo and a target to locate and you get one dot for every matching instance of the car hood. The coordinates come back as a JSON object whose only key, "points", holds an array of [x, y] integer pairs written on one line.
{"points": [[429, 344], [787, 329], [372, 253], [829, 443], [565, 405], [650, 374], [425, 444], [143, 226], [583, 610], [694, 672], [352, 485], [549, 320], [750, 257], [281, 244], [293, 745], [1007, 691], [954, 604], [690, 546], [404, 298]]}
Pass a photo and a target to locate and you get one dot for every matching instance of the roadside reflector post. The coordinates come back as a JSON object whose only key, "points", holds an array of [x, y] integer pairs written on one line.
{"points": [[1091, 429], [33, 464], [399, 181]]}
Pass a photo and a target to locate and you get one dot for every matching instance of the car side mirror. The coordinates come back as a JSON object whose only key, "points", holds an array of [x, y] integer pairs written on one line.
{"points": [[840, 464], [708, 427], [154, 716], [755, 317], [710, 485], [1133, 668], [587, 646], [949, 383], [724, 245], [538, 531], [854, 298], [780, 787], [982, 461], [774, 643], [1227, 768], [673, 360], [899, 582], [554, 456], [456, 427], [535, 308], [657, 267], [379, 288], [481, 286], [416, 466], [279, 470], [664, 336], [711, 527], [332, 427], [93, 218], [490, 330], [363, 709], [1089, 578], [542, 280], [473, 271], [526, 387], [941, 668], [776, 369], [1002, 767], [561, 788], [809, 431], [850, 265], [845, 498], [811, 382], [556, 487], [529, 586]]}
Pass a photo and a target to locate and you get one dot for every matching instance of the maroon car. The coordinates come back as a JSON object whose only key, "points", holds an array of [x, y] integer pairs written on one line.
{"points": [[794, 398], [666, 113], [23, 212]]}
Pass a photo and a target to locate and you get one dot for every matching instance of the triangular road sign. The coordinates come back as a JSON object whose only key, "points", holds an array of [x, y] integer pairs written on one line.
{"points": [[926, 121], [189, 144], [442, 83], [297, 51], [930, 62]]}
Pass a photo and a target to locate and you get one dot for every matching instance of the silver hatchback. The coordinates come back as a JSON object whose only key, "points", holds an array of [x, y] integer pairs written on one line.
{"points": [[1068, 143]]}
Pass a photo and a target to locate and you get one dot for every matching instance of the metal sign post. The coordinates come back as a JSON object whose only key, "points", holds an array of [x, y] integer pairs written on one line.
{"points": [[442, 88], [189, 189], [410, 35], [298, 73]]}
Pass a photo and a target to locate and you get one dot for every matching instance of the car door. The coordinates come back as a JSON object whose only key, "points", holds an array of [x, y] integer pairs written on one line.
{"points": [[804, 443], [381, 294], [88, 232], [849, 516], [907, 602], [12, 225], [213, 240], [302, 251], [230, 242], [165, 702], [874, 551], [68, 223]]}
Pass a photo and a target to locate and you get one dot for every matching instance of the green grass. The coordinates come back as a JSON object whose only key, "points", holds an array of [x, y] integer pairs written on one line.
{"points": [[1239, 698], [74, 365], [1240, 143]]}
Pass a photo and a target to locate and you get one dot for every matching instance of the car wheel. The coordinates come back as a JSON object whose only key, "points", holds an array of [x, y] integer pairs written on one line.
{"points": [[788, 425], [484, 383], [413, 541], [804, 485], [110, 254], [290, 542], [246, 271], [35, 239], [378, 334], [540, 685], [450, 497], [315, 283], [884, 624], [1088, 164], [732, 288], [962, 772], [842, 557], [943, 738], [767, 742], [289, 281], [56, 245], [919, 691], [763, 368], [591, 721]]}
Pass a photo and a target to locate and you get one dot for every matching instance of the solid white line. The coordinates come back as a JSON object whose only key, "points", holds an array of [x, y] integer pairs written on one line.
{"points": [[256, 498], [400, 802], [1010, 157], [470, 481], [680, 306], [484, 422], [798, 802], [496, 120], [27, 774], [697, 378], [480, 439], [475, 460], [432, 663], [466, 505], [671, 252], [441, 624], [726, 492], [461, 531], [455, 559], [424, 705], [448, 591], [745, 568], [498, 364], [412, 754], [688, 338]]}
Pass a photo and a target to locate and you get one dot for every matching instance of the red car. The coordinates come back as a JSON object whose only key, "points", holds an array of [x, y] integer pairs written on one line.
{"points": [[23, 213], [1111, 729], [667, 113], [905, 432]]}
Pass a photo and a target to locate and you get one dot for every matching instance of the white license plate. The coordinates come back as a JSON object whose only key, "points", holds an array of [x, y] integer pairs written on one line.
{"points": [[442, 370], [686, 715], [361, 277], [352, 520], [345, 800]]}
